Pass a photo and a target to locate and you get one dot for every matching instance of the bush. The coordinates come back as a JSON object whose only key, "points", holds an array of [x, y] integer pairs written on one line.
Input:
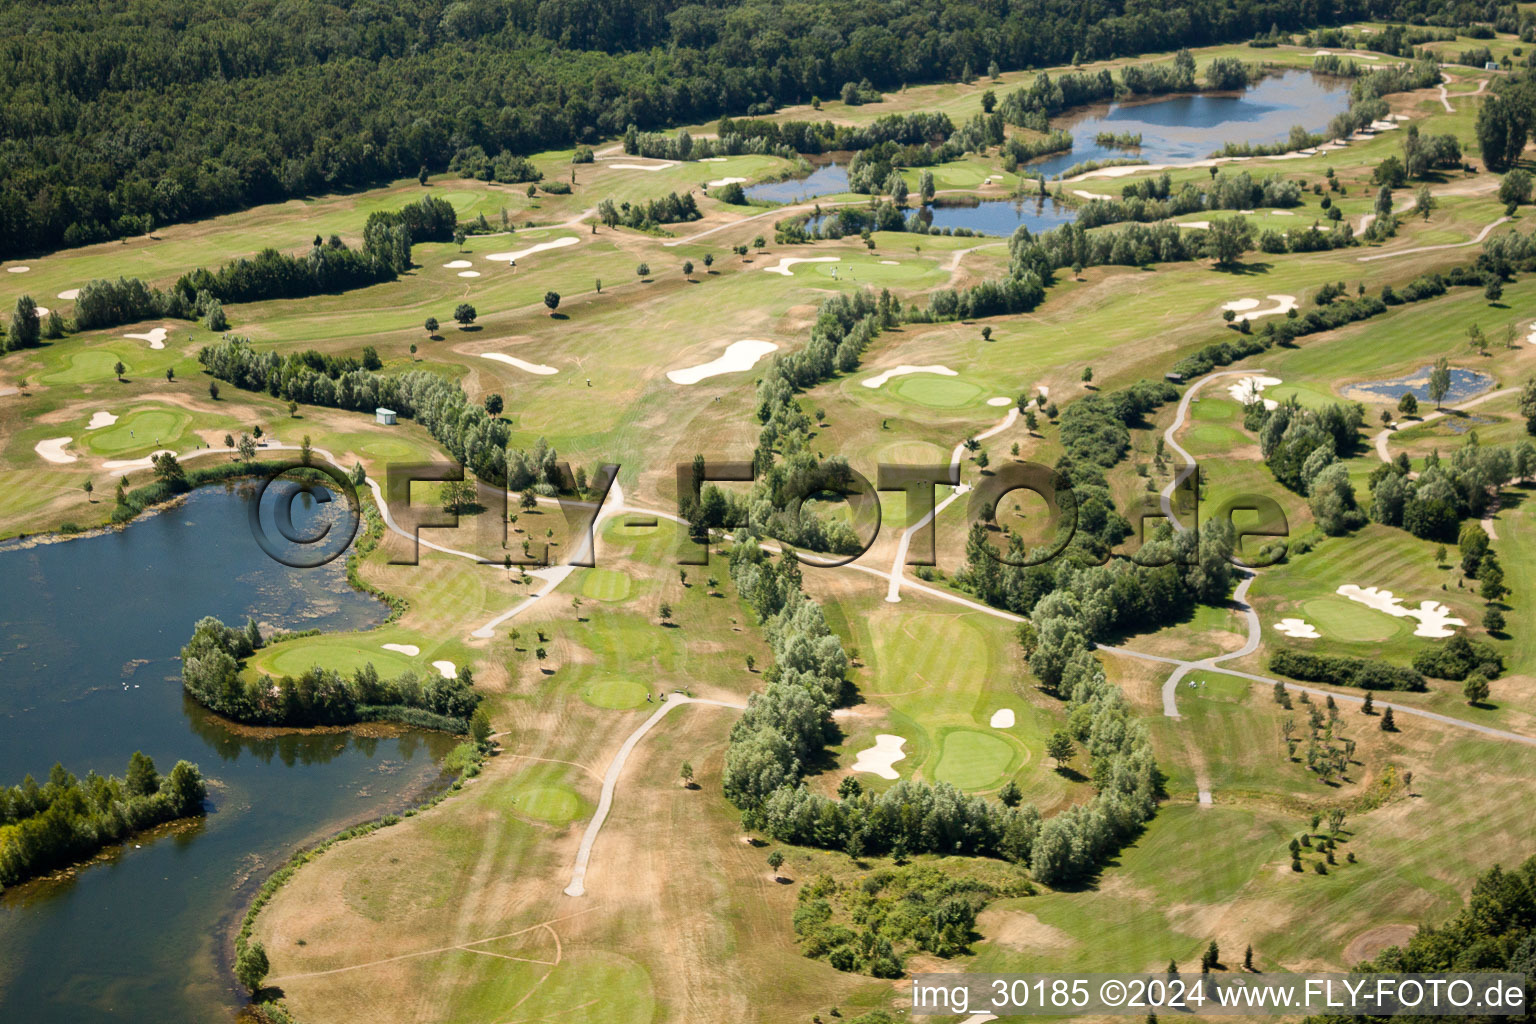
{"points": [[1457, 658], [1341, 671]]}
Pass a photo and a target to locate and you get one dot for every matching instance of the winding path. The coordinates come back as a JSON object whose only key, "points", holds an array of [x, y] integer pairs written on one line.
{"points": [[1481, 236], [611, 781]]}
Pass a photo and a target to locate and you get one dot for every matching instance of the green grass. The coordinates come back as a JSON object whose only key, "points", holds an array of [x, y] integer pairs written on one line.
{"points": [[936, 392], [618, 694], [339, 654], [605, 584], [974, 760], [140, 429], [1350, 620]]}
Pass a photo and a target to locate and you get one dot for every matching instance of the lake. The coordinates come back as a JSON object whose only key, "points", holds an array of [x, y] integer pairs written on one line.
{"points": [[1174, 129], [90, 630]]}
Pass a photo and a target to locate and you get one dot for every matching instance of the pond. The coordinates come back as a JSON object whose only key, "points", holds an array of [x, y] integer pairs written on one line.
{"points": [[1174, 129], [1464, 385], [985, 216], [90, 630]]}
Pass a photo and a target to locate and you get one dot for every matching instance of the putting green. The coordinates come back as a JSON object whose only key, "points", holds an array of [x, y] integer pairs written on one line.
{"points": [[935, 392], [291, 659], [605, 585], [1215, 435], [1349, 620], [874, 272], [972, 760], [617, 694], [90, 366], [1214, 410], [140, 429], [914, 453], [549, 802], [1310, 397], [387, 449]]}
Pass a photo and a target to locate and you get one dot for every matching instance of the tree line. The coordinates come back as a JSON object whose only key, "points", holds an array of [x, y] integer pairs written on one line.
{"points": [[232, 106], [66, 819], [211, 673]]}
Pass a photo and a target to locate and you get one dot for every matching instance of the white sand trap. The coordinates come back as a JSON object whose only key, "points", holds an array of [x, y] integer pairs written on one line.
{"points": [[458, 264], [1246, 390], [1299, 629], [1282, 213], [17, 270], [727, 181], [877, 760], [711, 159], [1530, 339], [156, 337], [69, 294], [906, 368], [409, 650], [52, 450], [785, 262], [1201, 225], [101, 419], [738, 356], [521, 364], [1080, 193], [469, 273], [120, 466], [642, 167], [1282, 304], [890, 263], [1002, 718], [1434, 618], [448, 669], [43, 311], [513, 257], [1000, 401], [1043, 390]]}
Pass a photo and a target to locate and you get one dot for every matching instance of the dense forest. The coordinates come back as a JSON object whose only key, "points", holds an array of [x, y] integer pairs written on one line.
{"points": [[67, 819], [117, 116]]}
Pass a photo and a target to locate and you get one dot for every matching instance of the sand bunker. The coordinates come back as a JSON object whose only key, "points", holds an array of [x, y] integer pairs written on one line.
{"points": [[1201, 225], [458, 264], [785, 262], [1043, 390], [1299, 629], [890, 263], [70, 294], [52, 450], [1435, 619], [726, 181], [521, 364], [17, 270], [642, 167], [101, 419], [738, 356], [1282, 304], [1246, 390], [120, 466], [877, 760], [43, 311], [1000, 401], [156, 337], [469, 273], [513, 257], [1002, 718], [1284, 213], [711, 159], [906, 368], [409, 650], [1090, 195], [447, 668]]}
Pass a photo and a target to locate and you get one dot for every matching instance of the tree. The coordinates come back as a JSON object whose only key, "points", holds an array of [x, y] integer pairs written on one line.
{"points": [[480, 726], [759, 242], [214, 317], [1439, 381], [540, 653], [552, 301], [1010, 795], [458, 238], [1408, 405], [170, 374], [119, 369], [494, 404], [413, 353], [687, 268], [431, 326], [1228, 239], [142, 779], [665, 611], [528, 501], [1212, 957], [247, 448], [251, 966], [26, 325], [1476, 689], [1493, 619], [643, 270], [775, 861], [464, 314], [709, 260], [1248, 958], [1387, 723], [88, 487], [1424, 201], [1368, 706], [213, 390], [421, 175], [306, 453], [925, 188], [751, 663], [1515, 189], [1490, 577], [1087, 374], [686, 773], [1060, 747], [1383, 205], [293, 409], [457, 494]]}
